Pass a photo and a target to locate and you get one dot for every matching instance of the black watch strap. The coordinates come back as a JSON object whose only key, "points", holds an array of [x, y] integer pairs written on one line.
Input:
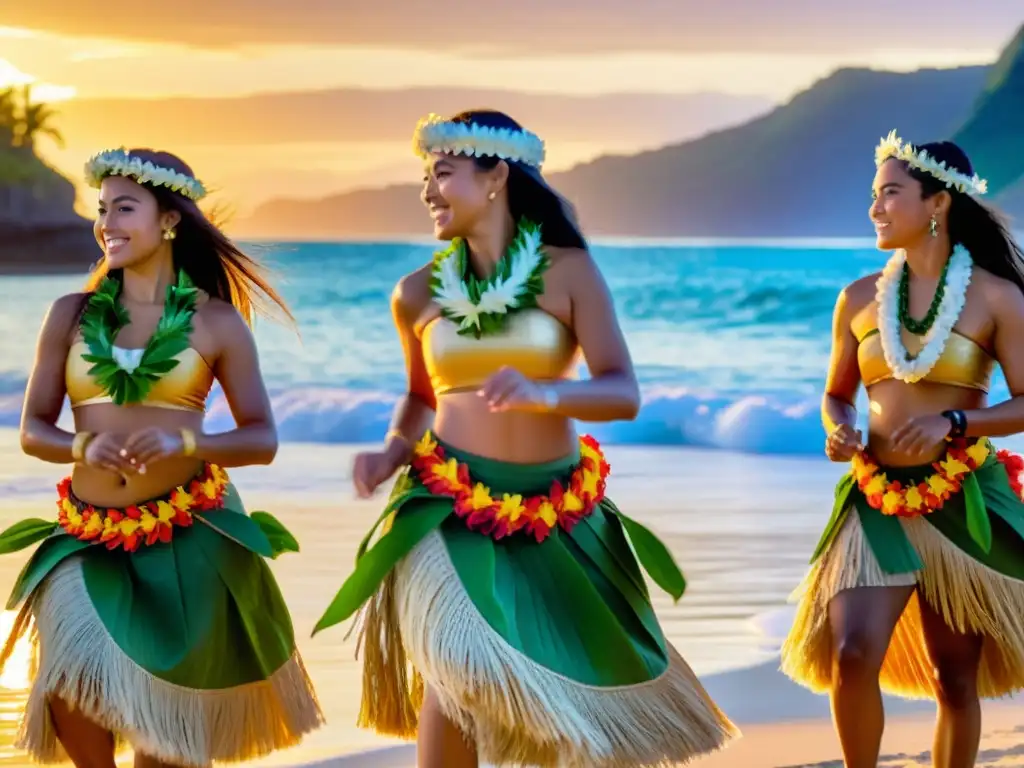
{"points": [[958, 423]]}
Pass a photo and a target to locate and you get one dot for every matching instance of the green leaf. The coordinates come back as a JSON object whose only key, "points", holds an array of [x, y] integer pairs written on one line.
{"points": [[280, 538], [978, 524], [24, 534], [654, 557]]}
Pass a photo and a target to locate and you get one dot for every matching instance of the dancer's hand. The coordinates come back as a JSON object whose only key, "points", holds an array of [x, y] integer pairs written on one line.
{"points": [[152, 444], [921, 434], [509, 390], [371, 468], [843, 443], [104, 452]]}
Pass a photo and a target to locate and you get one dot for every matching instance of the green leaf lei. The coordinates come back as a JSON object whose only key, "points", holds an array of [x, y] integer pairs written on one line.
{"points": [[922, 326], [482, 306], [103, 319]]}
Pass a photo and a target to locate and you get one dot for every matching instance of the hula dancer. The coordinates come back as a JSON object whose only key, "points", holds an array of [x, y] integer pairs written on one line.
{"points": [[155, 620], [506, 618], [917, 585]]}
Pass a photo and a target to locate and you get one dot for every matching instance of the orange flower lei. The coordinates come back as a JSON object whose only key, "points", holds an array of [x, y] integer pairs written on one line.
{"points": [[145, 523], [891, 498], [538, 515]]}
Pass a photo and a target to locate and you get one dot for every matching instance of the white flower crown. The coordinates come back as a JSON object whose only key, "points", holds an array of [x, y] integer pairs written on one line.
{"points": [[893, 146], [118, 162], [436, 134]]}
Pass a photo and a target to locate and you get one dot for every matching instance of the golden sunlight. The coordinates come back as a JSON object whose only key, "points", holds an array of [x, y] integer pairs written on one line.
{"points": [[15, 676], [10, 75]]}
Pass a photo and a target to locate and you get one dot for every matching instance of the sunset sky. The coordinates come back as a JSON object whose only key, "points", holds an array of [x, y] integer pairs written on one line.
{"points": [[306, 97]]}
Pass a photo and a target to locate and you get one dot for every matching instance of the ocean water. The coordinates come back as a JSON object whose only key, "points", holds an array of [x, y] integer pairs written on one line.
{"points": [[730, 340]]}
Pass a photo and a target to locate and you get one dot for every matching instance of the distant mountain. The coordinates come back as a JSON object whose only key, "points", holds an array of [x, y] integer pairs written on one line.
{"points": [[804, 169], [994, 133]]}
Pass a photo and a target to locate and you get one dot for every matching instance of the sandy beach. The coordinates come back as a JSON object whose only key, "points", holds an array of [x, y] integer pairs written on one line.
{"points": [[741, 526]]}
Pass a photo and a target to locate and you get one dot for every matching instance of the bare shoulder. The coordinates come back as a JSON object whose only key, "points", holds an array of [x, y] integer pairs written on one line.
{"points": [[221, 319], [858, 294], [569, 258], [572, 267], [412, 292], [64, 314], [1003, 295]]}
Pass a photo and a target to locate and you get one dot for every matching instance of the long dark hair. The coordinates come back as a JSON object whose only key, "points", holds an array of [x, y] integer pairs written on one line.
{"points": [[214, 263], [977, 227], [529, 195]]}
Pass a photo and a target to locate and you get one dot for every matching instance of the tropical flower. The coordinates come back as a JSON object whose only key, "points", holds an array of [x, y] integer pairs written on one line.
{"points": [[929, 495], [141, 524], [893, 146], [500, 516]]}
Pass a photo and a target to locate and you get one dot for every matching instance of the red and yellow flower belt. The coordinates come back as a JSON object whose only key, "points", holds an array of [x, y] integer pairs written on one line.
{"points": [[146, 523], [929, 495], [538, 515]]}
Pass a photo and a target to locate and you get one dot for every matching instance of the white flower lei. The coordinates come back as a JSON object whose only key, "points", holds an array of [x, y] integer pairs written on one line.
{"points": [[958, 278], [118, 162], [510, 287]]}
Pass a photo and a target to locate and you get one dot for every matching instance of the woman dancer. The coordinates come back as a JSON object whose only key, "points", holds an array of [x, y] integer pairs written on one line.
{"points": [[157, 623], [916, 586], [505, 576]]}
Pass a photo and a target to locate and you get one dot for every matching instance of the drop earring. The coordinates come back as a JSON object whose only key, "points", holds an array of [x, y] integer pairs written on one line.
{"points": [[933, 227], [170, 234]]}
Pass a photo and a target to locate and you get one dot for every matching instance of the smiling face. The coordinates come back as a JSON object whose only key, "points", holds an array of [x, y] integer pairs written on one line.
{"points": [[902, 217], [129, 224], [457, 193]]}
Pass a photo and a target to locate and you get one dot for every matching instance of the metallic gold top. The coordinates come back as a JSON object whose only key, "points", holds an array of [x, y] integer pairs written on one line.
{"points": [[963, 362], [185, 387], [533, 342]]}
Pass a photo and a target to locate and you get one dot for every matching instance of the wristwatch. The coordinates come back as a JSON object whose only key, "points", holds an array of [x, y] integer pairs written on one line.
{"points": [[957, 423]]}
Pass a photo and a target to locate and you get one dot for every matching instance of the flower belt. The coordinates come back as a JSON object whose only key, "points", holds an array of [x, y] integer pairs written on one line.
{"points": [[145, 523], [929, 495], [538, 515]]}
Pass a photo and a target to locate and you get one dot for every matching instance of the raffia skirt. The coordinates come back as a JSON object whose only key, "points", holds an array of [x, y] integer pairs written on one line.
{"points": [[974, 580], [542, 652], [174, 637]]}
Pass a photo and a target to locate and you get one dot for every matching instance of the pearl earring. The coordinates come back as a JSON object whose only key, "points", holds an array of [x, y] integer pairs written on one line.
{"points": [[491, 196], [170, 234]]}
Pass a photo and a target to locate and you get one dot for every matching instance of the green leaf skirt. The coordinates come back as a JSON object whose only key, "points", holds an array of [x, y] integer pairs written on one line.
{"points": [[966, 560], [184, 649], [542, 653]]}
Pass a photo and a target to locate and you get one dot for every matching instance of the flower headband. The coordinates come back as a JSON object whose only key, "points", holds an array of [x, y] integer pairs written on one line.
{"points": [[893, 146], [118, 162], [436, 134]]}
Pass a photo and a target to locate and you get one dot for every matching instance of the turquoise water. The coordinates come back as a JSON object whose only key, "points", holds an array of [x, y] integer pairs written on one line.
{"points": [[730, 341]]}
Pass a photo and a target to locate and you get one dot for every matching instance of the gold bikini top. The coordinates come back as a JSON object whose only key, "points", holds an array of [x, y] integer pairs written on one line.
{"points": [[963, 362], [533, 342], [185, 387]]}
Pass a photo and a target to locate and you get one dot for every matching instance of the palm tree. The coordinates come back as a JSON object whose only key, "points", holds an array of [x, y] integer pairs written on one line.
{"points": [[35, 120], [8, 116]]}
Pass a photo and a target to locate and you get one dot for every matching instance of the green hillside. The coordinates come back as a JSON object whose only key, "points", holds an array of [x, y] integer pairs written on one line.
{"points": [[993, 135]]}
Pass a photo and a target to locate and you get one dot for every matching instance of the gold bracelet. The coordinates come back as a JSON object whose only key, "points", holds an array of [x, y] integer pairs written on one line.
{"points": [[188, 442], [79, 444], [398, 434]]}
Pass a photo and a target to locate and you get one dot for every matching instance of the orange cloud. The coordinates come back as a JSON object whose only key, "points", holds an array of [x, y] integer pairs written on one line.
{"points": [[528, 27]]}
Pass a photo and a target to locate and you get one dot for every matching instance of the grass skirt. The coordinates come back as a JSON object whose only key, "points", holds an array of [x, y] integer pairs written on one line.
{"points": [[184, 649], [542, 653], [973, 590]]}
